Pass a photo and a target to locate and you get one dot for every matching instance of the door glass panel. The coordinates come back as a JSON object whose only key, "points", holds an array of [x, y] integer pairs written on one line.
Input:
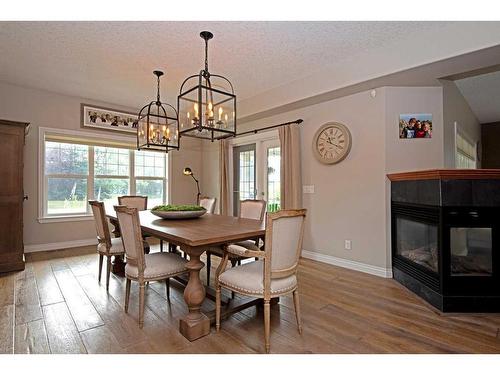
{"points": [[471, 251], [244, 175], [273, 179]]}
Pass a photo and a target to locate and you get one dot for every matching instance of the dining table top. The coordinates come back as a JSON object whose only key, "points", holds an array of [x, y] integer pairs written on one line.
{"points": [[206, 230]]}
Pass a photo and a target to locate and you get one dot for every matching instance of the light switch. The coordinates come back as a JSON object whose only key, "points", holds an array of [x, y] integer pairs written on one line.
{"points": [[308, 189]]}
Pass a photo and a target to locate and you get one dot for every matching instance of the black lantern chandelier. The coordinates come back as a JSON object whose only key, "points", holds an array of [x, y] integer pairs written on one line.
{"points": [[206, 103], [158, 124]]}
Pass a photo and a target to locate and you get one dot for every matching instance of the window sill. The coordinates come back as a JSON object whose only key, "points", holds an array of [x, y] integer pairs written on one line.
{"points": [[61, 219]]}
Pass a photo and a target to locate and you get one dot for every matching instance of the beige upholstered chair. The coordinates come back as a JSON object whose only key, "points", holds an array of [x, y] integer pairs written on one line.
{"points": [[144, 267], [106, 246], [141, 203], [273, 276], [249, 209], [136, 201], [208, 204]]}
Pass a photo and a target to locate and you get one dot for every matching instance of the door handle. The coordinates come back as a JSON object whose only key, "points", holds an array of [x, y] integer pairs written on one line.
{"points": [[25, 198]]}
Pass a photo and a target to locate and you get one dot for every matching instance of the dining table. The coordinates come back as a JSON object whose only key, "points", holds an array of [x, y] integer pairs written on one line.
{"points": [[194, 237]]}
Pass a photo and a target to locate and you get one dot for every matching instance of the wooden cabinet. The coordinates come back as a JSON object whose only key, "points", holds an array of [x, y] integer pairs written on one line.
{"points": [[11, 195]]}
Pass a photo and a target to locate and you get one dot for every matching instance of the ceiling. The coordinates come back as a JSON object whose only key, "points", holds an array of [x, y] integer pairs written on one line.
{"points": [[113, 61], [482, 92]]}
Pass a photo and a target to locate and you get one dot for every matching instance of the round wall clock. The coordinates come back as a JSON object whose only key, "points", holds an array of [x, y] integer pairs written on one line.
{"points": [[332, 143]]}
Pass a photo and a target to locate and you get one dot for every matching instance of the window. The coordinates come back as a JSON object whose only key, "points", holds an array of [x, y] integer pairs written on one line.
{"points": [[465, 153], [150, 176], [75, 171], [66, 178], [111, 174]]}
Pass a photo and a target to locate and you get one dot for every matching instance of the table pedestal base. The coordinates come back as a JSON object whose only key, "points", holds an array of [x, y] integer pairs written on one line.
{"points": [[118, 265], [193, 330], [195, 324]]}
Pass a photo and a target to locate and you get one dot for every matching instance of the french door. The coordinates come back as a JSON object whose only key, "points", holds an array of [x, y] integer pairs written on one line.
{"points": [[256, 173]]}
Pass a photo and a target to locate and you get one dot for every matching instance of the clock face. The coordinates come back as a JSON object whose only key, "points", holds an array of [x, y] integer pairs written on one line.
{"points": [[332, 143]]}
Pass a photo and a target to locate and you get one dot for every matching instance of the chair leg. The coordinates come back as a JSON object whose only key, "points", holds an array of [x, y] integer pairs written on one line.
{"points": [[267, 324], [108, 271], [127, 294], [100, 267], [161, 246], [167, 288], [141, 305], [209, 266], [217, 308], [296, 303], [233, 264]]}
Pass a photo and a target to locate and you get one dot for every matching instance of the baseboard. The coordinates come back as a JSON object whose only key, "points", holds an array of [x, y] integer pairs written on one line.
{"points": [[59, 245], [350, 264]]}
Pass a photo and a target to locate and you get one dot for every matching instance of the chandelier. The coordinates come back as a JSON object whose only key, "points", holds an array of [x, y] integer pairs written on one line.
{"points": [[158, 124], [206, 103]]}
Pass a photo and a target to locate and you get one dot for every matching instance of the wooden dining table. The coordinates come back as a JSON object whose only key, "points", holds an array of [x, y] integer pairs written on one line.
{"points": [[195, 236]]}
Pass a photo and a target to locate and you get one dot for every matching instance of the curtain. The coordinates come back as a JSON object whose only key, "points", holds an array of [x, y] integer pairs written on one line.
{"points": [[224, 200], [291, 177]]}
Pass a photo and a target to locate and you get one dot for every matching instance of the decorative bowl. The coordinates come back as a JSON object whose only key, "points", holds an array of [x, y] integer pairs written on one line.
{"points": [[178, 212]]}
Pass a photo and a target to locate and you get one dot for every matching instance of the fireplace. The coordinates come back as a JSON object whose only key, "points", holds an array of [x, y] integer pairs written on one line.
{"points": [[445, 237]]}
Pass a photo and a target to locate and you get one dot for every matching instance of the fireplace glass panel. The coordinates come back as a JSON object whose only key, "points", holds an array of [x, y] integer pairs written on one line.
{"points": [[471, 251], [418, 242]]}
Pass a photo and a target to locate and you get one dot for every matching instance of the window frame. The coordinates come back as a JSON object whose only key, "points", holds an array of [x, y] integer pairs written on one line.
{"points": [[91, 140], [460, 152]]}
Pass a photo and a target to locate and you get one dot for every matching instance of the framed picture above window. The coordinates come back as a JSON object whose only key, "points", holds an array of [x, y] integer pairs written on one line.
{"points": [[108, 119], [415, 125]]}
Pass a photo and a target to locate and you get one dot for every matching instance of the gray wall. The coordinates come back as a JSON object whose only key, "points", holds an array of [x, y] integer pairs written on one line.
{"points": [[46, 109]]}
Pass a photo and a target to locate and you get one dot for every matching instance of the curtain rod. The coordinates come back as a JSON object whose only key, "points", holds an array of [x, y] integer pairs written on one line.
{"points": [[255, 131]]}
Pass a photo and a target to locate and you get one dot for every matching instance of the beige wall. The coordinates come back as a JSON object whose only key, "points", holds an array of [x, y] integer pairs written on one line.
{"points": [[349, 197], [46, 109], [456, 109]]}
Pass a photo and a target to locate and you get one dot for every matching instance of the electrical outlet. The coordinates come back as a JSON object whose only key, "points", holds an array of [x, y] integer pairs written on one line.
{"points": [[347, 244]]}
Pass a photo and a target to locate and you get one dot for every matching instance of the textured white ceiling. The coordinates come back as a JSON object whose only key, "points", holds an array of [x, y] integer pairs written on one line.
{"points": [[113, 61], [483, 95]]}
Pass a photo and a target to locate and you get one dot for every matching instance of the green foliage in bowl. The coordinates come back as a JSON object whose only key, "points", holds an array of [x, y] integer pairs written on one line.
{"points": [[177, 207]]}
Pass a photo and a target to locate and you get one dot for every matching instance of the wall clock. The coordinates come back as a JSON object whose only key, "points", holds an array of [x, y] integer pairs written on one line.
{"points": [[332, 143]]}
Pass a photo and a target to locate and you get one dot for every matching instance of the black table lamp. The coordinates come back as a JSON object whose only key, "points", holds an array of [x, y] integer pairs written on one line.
{"points": [[189, 172]]}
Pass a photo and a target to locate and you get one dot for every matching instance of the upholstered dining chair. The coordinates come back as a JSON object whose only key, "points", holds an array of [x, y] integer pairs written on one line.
{"points": [[208, 204], [274, 274], [141, 203], [142, 267], [106, 246], [249, 209]]}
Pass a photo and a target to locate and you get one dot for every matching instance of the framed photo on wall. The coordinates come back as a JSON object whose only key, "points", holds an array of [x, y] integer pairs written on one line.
{"points": [[415, 125], [108, 119]]}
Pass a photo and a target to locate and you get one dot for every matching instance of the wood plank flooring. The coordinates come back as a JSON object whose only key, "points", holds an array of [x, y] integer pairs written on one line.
{"points": [[56, 305]]}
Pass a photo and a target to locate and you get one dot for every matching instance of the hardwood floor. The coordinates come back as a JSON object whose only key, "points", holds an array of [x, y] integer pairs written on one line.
{"points": [[56, 305]]}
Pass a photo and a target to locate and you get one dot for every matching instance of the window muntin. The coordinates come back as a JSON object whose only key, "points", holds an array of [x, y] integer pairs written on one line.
{"points": [[273, 179], [465, 153]]}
